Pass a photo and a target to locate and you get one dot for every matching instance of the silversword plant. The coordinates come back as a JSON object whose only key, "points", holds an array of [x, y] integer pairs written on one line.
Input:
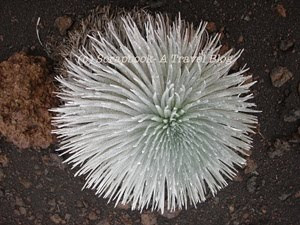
{"points": [[158, 133]]}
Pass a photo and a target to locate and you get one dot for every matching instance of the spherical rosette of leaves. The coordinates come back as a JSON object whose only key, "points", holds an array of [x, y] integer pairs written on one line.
{"points": [[149, 113]]}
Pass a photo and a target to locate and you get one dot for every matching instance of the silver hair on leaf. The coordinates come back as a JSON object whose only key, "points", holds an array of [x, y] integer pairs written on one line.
{"points": [[150, 115]]}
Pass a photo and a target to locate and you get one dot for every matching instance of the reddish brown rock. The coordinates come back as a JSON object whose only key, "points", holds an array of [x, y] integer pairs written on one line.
{"points": [[3, 160], [26, 94], [238, 178], [211, 27], [251, 166], [281, 10], [92, 216], [63, 23], [123, 206], [225, 48], [241, 39]]}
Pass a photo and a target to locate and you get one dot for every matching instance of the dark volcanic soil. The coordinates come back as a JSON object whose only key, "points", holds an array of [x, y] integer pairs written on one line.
{"points": [[35, 188]]}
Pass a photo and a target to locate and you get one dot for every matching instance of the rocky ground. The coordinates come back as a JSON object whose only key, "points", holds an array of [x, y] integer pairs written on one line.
{"points": [[36, 188]]}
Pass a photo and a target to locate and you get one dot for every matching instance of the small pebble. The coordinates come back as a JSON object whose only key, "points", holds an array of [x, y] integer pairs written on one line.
{"points": [[148, 219], [211, 27], [241, 39], [22, 211], [55, 219], [251, 184], [3, 161], [171, 214], [238, 178], [63, 23], [284, 197], [231, 208], [281, 10], [246, 18], [285, 45], [245, 216], [123, 206], [216, 3], [27, 184], [93, 216], [67, 217], [280, 75], [19, 202], [297, 195], [250, 167]]}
